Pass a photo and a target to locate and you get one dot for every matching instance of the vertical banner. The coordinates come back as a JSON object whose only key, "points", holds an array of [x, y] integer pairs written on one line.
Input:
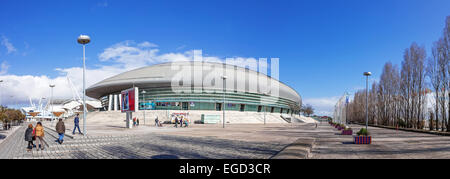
{"points": [[129, 100]]}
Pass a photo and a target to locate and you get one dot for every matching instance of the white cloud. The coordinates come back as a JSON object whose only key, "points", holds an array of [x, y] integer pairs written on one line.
{"points": [[8, 45], [181, 47], [118, 58], [4, 68], [322, 106], [147, 45]]}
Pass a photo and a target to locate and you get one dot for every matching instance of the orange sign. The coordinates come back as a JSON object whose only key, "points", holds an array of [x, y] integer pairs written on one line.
{"points": [[57, 114], [34, 114]]}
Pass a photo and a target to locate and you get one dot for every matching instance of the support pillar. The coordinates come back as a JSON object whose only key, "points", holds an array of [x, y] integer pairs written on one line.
{"points": [[110, 103], [129, 120], [115, 102]]}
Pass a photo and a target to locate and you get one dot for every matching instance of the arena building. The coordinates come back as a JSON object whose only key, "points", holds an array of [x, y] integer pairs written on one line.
{"points": [[196, 85]]}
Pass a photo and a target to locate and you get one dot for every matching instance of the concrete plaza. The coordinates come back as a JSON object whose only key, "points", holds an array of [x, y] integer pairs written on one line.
{"points": [[248, 141]]}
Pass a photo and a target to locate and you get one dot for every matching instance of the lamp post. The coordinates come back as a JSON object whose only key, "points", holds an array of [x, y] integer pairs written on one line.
{"points": [[51, 101], [143, 100], [84, 39], [367, 74], [224, 78]]}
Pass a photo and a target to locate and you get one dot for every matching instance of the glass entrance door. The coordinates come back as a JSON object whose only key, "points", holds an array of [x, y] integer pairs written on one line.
{"points": [[185, 105]]}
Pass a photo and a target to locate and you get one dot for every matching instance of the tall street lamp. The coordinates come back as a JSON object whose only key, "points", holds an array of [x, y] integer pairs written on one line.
{"points": [[51, 101], [224, 78], [84, 39], [367, 74]]}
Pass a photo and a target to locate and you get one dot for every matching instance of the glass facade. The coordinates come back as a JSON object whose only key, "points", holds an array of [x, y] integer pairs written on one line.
{"points": [[210, 99]]}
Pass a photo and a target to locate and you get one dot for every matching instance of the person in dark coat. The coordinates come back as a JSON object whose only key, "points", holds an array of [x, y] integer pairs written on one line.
{"points": [[60, 129], [29, 137], [181, 121], [176, 121]]}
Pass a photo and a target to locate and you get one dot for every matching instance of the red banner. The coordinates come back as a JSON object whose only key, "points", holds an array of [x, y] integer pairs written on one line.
{"points": [[127, 104]]}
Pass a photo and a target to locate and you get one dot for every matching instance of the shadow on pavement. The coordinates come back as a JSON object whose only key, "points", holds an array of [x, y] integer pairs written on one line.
{"points": [[164, 157], [348, 143]]}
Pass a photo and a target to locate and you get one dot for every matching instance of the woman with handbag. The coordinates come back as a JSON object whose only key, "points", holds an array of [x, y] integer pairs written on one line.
{"points": [[39, 136]]}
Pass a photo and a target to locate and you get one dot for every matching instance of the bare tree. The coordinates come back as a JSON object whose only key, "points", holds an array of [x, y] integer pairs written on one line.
{"points": [[434, 75], [446, 65], [308, 110]]}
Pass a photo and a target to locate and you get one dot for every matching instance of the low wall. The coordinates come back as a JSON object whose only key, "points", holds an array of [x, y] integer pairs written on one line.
{"points": [[409, 129]]}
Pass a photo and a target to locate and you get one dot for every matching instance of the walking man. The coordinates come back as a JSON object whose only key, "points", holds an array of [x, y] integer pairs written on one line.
{"points": [[156, 121], [181, 121], [176, 121], [76, 122], [60, 129]]}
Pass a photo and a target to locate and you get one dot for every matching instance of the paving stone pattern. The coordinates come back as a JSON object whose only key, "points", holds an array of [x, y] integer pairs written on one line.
{"points": [[145, 146]]}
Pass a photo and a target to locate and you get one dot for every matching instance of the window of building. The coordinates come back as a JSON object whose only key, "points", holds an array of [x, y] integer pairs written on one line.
{"points": [[242, 108]]}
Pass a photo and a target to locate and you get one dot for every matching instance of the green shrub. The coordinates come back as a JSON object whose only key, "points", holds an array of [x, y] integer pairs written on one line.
{"points": [[363, 132]]}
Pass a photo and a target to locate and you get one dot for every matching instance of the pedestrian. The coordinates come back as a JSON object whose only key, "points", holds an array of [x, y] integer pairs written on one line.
{"points": [[29, 137], [60, 129], [176, 121], [39, 135], [181, 121], [137, 121], [134, 121], [76, 123], [186, 123], [156, 121], [34, 136]]}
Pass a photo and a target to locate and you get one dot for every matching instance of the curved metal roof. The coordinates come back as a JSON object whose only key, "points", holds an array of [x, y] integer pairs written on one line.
{"points": [[192, 73]]}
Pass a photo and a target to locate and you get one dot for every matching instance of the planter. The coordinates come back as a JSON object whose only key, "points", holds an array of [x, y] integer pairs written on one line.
{"points": [[347, 132], [362, 139]]}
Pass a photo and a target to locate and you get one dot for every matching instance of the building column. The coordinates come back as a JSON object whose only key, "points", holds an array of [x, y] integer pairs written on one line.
{"points": [[115, 102], [110, 103]]}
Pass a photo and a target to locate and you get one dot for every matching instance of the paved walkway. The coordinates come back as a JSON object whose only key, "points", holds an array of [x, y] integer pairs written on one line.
{"points": [[386, 143], [141, 146], [233, 142], [5, 133]]}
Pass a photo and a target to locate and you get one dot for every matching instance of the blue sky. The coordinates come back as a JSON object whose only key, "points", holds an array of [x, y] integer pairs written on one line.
{"points": [[323, 46]]}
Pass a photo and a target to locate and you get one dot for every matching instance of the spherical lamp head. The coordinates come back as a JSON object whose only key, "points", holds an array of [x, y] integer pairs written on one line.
{"points": [[84, 39]]}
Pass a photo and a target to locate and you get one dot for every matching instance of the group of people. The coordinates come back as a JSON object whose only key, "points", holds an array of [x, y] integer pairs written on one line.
{"points": [[37, 133], [6, 126], [157, 122], [179, 119], [135, 121]]}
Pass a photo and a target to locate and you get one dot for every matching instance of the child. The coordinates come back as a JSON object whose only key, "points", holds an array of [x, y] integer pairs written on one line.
{"points": [[29, 137]]}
